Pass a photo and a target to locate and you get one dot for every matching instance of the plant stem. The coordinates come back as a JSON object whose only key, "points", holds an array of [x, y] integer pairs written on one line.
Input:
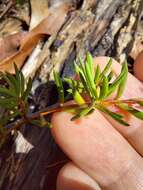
{"points": [[60, 107], [50, 109]]}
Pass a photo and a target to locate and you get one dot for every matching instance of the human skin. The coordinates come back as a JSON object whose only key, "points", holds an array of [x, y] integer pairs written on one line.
{"points": [[138, 66], [102, 150]]}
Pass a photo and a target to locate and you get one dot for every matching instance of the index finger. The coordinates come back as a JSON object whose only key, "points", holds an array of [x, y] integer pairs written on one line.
{"points": [[133, 89]]}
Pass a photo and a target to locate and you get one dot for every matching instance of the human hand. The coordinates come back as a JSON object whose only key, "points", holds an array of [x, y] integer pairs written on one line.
{"points": [[105, 151]]}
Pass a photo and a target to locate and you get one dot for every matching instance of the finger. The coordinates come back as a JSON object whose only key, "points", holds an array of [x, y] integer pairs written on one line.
{"points": [[71, 177], [138, 66], [98, 149], [133, 89]]}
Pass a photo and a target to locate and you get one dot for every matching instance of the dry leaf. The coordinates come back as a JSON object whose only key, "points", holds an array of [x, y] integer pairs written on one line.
{"points": [[39, 11], [10, 44], [48, 26]]}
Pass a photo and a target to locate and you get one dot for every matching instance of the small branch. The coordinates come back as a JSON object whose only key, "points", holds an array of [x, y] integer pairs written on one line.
{"points": [[50, 109], [8, 7], [59, 107]]}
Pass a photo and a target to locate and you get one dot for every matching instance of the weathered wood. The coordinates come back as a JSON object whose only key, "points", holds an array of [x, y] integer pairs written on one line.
{"points": [[104, 27], [120, 35], [82, 26]]}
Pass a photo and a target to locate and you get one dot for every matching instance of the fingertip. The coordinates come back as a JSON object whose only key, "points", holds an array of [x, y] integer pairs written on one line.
{"points": [[71, 177], [103, 60]]}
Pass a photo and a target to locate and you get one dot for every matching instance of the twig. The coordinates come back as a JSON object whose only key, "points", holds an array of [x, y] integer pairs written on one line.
{"points": [[50, 109], [59, 107], [10, 4]]}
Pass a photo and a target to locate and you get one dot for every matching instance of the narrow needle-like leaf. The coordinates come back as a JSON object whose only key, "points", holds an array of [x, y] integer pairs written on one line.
{"points": [[97, 74], [78, 98], [89, 60], [27, 90], [110, 76], [81, 113], [123, 81], [6, 92], [118, 80], [131, 110], [115, 116], [107, 68], [90, 78], [104, 88], [60, 87], [17, 75]]}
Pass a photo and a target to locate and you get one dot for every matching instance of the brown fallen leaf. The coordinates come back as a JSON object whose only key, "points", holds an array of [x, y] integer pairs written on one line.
{"points": [[48, 26], [10, 44], [39, 11]]}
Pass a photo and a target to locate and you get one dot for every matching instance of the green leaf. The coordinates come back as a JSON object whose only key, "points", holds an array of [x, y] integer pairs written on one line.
{"points": [[81, 113], [77, 68], [115, 116], [6, 92], [89, 60], [107, 68], [90, 80], [118, 80], [139, 102], [138, 114], [84, 78], [88, 77], [16, 83], [22, 83], [73, 83], [20, 2], [14, 114], [7, 117], [8, 103], [39, 124], [83, 81], [78, 98], [97, 74], [17, 75], [49, 125], [27, 91], [110, 76], [70, 91], [75, 90], [10, 79], [123, 81], [59, 85], [43, 121], [104, 88]]}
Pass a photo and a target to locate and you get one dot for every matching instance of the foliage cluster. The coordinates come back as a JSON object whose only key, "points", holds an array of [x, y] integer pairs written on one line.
{"points": [[92, 91]]}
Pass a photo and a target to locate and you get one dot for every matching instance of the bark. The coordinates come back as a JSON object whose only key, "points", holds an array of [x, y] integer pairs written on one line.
{"points": [[104, 27]]}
